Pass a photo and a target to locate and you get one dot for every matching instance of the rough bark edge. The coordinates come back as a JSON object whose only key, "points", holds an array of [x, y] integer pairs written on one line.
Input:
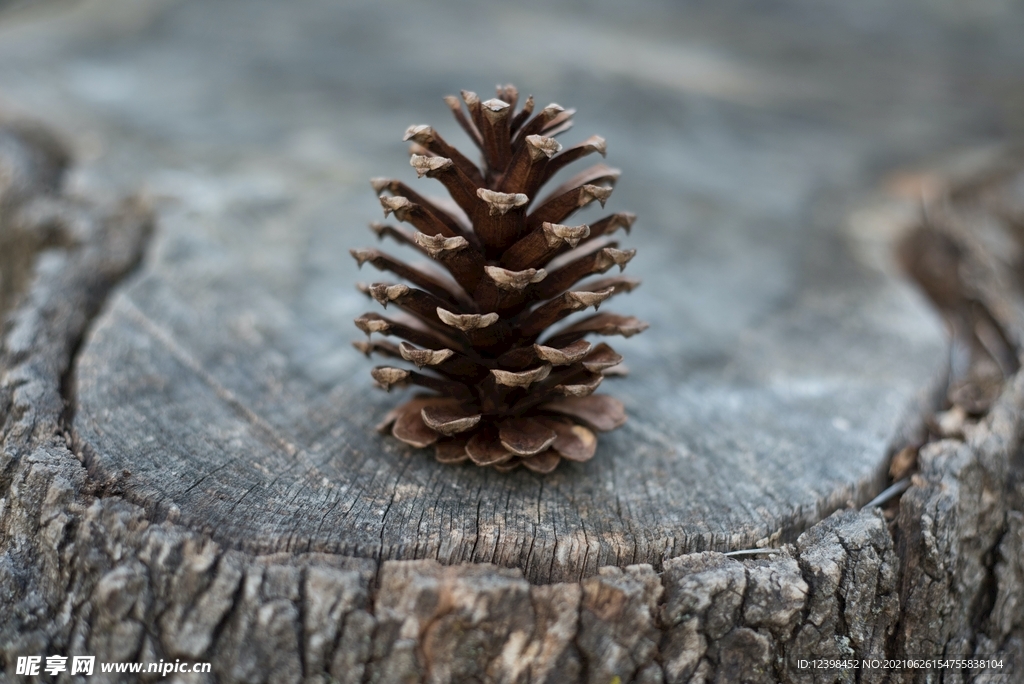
{"points": [[84, 572]]}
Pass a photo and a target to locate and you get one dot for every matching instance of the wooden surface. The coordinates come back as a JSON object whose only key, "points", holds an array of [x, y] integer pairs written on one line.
{"points": [[85, 572], [167, 426], [219, 389]]}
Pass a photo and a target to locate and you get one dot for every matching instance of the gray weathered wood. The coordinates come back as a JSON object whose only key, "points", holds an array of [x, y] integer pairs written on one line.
{"points": [[83, 571], [218, 390]]}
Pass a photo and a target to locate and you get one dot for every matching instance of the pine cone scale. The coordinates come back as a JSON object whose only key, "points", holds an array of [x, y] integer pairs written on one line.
{"points": [[543, 463], [572, 442], [435, 144], [485, 449], [525, 437]]}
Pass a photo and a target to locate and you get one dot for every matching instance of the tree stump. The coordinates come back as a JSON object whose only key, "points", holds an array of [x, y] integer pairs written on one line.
{"points": [[189, 468]]}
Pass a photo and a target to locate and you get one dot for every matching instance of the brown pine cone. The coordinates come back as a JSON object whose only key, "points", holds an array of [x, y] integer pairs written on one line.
{"points": [[497, 395]]}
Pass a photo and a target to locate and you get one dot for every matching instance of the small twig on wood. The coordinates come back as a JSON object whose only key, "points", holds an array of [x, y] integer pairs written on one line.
{"points": [[751, 552], [891, 492]]}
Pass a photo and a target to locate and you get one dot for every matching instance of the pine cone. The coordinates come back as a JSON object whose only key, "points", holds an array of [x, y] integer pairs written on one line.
{"points": [[496, 395]]}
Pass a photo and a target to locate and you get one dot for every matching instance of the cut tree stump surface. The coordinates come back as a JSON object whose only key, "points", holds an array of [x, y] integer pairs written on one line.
{"points": [[204, 396], [219, 390]]}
